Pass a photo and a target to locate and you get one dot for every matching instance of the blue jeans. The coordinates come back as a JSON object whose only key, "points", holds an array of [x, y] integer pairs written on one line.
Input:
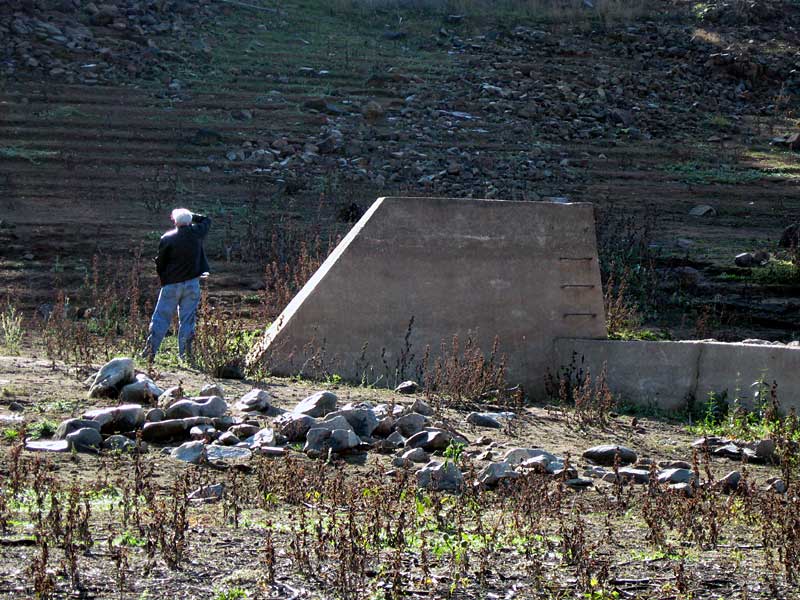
{"points": [[184, 297]]}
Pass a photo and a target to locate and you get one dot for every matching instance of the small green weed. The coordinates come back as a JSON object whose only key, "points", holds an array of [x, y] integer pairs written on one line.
{"points": [[644, 335], [10, 434], [11, 329], [129, 539], [777, 272], [42, 429], [231, 594]]}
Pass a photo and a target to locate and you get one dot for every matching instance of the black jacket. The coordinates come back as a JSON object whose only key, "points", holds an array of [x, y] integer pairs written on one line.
{"points": [[180, 252]]}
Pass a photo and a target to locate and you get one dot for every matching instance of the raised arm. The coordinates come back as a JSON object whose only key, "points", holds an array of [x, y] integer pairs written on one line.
{"points": [[201, 224]]}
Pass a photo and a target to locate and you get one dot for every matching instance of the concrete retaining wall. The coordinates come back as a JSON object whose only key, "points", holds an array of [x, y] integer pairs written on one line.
{"points": [[665, 374], [526, 272]]}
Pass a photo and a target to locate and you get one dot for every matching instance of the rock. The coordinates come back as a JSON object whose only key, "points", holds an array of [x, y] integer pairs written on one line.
{"points": [[342, 440], [640, 476], [111, 377], [208, 493], [703, 210], [411, 424], [199, 407], [777, 485], [86, 438], [731, 451], [730, 483], [47, 445], [765, 449], [265, 437], [245, 430], [171, 429], [676, 476], [407, 387], [539, 464], [578, 483], [215, 452], [430, 440], [491, 420], [271, 451], [385, 427], [317, 405], [440, 476], [516, 456], [315, 439], [675, 464], [416, 455], [683, 489], [170, 396], [396, 439], [126, 417], [141, 391], [119, 443], [751, 259], [372, 111], [255, 400], [153, 415], [228, 439], [212, 389], [191, 452], [203, 433], [422, 407], [606, 455], [361, 418], [332, 422], [494, 472], [294, 426], [70, 425]]}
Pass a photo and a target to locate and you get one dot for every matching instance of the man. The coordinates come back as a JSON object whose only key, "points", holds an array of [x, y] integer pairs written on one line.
{"points": [[180, 262]]}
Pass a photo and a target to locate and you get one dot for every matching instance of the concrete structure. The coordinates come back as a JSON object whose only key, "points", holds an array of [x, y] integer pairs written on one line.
{"points": [[526, 272], [666, 374]]}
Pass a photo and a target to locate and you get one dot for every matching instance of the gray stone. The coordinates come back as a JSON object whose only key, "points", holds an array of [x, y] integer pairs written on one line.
{"points": [[362, 419], [244, 430], [776, 485], [47, 445], [228, 439], [731, 451], [191, 452], [70, 425], [484, 420], [141, 391], [126, 417], [676, 476], [516, 456], [208, 493], [407, 387], [422, 407], [765, 449], [111, 377], [416, 455], [212, 389], [634, 475], [170, 396], [203, 432], [119, 443], [578, 483], [87, 438], [430, 440], [396, 439], [255, 400], [315, 440], [443, 476], [683, 489], [494, 472], [197, 407], [730, 483], [703, 210], [266, 437], [332, 422], [606, 455], [411, 424], [154, 415], [170, 429], [342, 440], [227, 453], [385, 427], [317, 405], [294, 426], [271, 451]]}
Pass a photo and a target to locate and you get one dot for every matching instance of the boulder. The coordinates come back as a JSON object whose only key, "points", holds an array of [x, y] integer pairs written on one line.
{"points": [[294, 426], [70, 425], [191, 452], [86, 438], [442, 476], [315, 440], [171, 429], [332, 422], [342, 440], [126, 417], [119, 443], [407, 387], [228, 439], [204, 433], [385, 427], [141, 391], [153, 415], [266, 437], [361, 418], [703, 210], [411, 424], [170, 396], [635, 475], [516, 456], [490, 420], [430, 440], [422, 407], [676, 476], [111, 377], [317, 405], [606, 455], [255, 400], [47, 445], [244, 430], [213, 406], [494, 472], [208, 493], [730, 483], [212, 389], [416, 455]]}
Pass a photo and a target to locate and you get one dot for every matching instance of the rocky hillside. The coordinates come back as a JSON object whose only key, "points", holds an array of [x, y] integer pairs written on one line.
{"points": [[285, 121]]}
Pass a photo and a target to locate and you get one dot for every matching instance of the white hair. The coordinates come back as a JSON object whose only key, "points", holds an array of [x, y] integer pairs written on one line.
{"points": [[181, 217]]}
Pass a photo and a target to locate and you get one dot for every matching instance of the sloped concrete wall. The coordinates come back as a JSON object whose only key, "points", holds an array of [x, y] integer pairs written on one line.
{"points": [[665, 374], [522, 271]]}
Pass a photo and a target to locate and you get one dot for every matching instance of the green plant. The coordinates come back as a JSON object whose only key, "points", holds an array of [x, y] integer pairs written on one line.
{"points": [[777, 272], [11, 434], [42, 429], [129, 539], [453, 451], [231, 594], [11, 329]]}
